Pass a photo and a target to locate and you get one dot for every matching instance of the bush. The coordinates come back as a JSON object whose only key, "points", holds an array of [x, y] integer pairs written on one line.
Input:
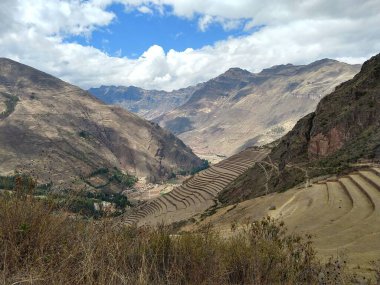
{"points": [[204, 165], [112, 175], [10, 104], [83, 206], [99, 171], [124, 179], [43, 246], [84, 134], [118, 199], [22, 182]]}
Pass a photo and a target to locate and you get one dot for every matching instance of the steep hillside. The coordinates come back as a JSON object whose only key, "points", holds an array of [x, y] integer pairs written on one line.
{"points": [[341, 213], [146, 103], [344, 129], [239, 109], [63, 135]]}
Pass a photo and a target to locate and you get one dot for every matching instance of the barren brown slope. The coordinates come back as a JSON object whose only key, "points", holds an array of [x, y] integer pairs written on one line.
{"points": [[239, 109], [341, 213], [61, 133]]}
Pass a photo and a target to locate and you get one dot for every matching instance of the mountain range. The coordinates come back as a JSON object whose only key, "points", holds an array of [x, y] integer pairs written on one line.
{"points": [[148, 104], [343, 130], [239, 109]]}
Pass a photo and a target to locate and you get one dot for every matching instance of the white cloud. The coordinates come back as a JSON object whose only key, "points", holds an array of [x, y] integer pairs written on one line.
{"points": [[204, 22], [33, 32], [145, 10], [62, 17]]}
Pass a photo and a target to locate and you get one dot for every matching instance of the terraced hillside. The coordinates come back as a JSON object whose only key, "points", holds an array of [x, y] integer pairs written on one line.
{"points": [[342, 213], [196, 194]]}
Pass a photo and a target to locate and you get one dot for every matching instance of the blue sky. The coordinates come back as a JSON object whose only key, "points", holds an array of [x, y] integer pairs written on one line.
{"points": [[133, 32], [170, 44]]}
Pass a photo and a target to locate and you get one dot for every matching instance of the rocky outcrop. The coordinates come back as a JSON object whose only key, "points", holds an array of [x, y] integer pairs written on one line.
{"points": [[322, 145]]}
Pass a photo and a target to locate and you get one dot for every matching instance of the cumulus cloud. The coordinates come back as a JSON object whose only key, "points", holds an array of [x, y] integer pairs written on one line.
{"points": [[145, 10], [34, 33], [228, 24], [56, 17]]}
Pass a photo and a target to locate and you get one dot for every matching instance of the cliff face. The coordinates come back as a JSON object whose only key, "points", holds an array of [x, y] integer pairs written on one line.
{"points": [[322, 145], [344, 128], [60, 133]]}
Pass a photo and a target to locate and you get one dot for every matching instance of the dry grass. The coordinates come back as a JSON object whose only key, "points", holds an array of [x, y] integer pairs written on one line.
{"points": [[42, 246]]}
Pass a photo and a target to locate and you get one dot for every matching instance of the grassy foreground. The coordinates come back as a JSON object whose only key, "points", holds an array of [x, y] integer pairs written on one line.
{"points": [[40, 245]]}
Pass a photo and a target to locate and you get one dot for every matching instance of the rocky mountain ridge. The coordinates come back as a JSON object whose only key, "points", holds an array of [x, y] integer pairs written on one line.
{"points": [[239, 109]]}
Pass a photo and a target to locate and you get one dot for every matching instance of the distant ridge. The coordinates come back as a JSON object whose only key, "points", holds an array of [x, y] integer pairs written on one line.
{"points": [[238, 109], [146, 103]]}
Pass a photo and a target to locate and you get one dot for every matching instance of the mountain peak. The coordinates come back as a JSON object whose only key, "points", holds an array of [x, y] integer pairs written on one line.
{"points": [[5, 59], [323, 61], [236, 71], [282, 69]]}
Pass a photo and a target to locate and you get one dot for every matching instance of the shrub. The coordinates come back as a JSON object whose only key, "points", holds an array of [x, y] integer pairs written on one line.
{"points": [[204, 165], [118, 199], [111, 175], [126, 180], [21, 182], [43, 246], [84, 134], [10, 104], [83, 206]]}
